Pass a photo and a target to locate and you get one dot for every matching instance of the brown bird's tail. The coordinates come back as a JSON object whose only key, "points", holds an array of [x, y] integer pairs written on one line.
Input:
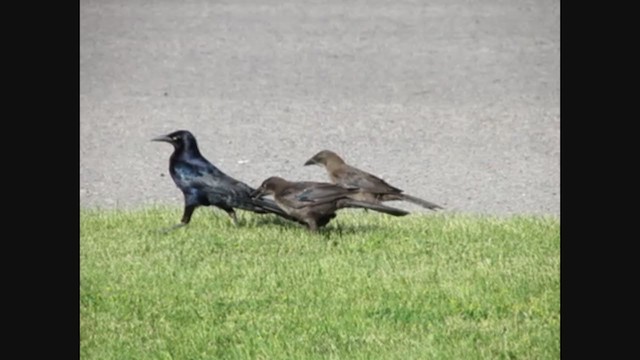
{"points": [[344, 203], [418, 201]]}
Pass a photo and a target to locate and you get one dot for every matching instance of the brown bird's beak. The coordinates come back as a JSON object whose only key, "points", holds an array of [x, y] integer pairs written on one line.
{"points": [[311, 161], [163, 138], [257, 192]]}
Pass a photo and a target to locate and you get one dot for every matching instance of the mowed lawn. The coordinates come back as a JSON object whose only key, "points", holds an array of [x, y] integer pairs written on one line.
{"points": [[370, 286]]}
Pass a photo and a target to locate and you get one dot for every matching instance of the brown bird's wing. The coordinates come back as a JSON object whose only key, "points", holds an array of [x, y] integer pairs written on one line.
{"points": [[353, 177], [303, 194]]}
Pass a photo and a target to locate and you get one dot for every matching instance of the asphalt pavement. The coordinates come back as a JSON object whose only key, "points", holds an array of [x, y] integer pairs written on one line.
{"points": [[457, 102]]}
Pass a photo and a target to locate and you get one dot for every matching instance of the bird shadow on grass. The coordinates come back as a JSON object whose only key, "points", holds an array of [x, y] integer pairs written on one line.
{"points": [[271, 220], [335, 228]]}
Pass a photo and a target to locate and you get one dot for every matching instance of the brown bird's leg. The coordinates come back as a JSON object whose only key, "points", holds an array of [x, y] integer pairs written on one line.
{"points": [[313, 226]]}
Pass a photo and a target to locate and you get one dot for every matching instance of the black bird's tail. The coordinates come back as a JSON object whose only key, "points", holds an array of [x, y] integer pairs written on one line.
{"points": [[265, 206], [268, 206], [344, 203]]}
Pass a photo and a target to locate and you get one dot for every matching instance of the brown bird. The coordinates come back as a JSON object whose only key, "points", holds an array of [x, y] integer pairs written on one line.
{"points": [[315, 203], [373, 189]]}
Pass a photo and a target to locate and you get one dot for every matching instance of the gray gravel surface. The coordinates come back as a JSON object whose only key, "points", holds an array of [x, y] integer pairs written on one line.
{"points": [[454, 101]]}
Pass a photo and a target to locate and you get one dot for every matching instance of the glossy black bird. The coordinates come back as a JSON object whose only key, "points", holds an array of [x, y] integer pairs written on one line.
{"points": [[203, 184], [372, 187], [315, 203]]}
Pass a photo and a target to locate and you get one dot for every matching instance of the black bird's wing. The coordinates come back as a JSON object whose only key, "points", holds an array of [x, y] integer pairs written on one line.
{"points": [[354, 177], [199, 178]]}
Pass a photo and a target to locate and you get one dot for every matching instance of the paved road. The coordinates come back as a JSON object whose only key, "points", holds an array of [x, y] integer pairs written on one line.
{"points": [[454, 101]]}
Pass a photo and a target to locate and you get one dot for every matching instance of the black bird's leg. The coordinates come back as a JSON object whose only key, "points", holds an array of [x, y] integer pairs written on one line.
{"points": [[234, 219], [186, 218], [231, 213]]}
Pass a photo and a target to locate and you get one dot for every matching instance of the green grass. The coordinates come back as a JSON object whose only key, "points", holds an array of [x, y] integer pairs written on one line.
{"points": [[368, 287]]}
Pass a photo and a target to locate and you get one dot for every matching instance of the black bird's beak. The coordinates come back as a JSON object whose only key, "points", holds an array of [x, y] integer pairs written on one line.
{"points": [[310, 162], [163, 138], [257, 193]]}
